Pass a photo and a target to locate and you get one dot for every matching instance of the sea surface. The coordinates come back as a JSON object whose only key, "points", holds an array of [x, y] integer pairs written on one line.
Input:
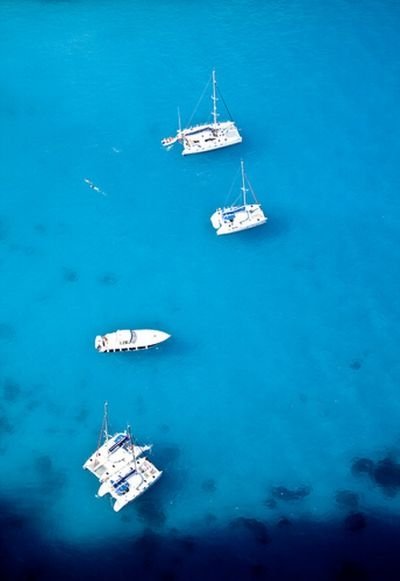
{"points": [[274, 409]]}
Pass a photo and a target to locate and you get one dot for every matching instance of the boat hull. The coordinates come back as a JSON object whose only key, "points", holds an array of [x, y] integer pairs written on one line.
{"points": [[212, 146], [250, 217], [129, 340], [204, 138]]}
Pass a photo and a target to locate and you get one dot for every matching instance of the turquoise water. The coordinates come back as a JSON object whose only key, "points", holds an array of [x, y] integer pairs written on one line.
{"points": [[283, 367]]}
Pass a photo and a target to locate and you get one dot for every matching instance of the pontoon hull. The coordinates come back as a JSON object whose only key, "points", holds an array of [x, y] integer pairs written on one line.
{"points": [[252, 217], [129, 340]]}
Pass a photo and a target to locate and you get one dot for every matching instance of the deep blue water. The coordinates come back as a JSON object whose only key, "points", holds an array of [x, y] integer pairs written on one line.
{"points": [[283, 368]]}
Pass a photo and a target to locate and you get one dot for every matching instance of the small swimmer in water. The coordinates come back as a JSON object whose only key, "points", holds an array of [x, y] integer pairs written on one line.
{"points": [[92, 186]]}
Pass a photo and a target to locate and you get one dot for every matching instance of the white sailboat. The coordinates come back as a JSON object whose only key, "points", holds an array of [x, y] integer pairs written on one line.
{"points": [[207, 136], [129, 340], [238, 217], [120, 467]]}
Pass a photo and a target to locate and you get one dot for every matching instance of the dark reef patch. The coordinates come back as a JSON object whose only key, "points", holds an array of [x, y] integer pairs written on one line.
{"points": [[385, 473], [11, 390], [70, 275], [6, 427], [346, 499], [82, 415], [271, 503], [150, 510], [32, 404], [187, 544], [355, 522], [284, 522], [7, 332], [168, 455], [303, 397], [257, 528], [288, 495], [318, 551], [355, 365], [40, 228], [51, 480], [209, 485], [362, 466], [210, 518]]}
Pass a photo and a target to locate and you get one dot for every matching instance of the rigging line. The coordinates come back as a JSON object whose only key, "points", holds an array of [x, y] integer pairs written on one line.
{"points": [[133, 445], [226, 106], [251, 188], [103, 431], [198, 102], [230, 190]]}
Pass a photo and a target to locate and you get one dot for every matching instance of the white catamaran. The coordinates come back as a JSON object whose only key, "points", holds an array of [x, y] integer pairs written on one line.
{"points": [[206, 136], [120, 467], [129, 340], [240, 216]]}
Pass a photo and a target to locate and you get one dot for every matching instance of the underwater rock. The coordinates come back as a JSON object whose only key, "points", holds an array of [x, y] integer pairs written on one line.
{"points": [[7, 332], [362, 466], [283, 522], [108, 279], [82, 415], [11, 390], [168, 454], [14, 521], [387, 475], [70, 275], [209, 485], [40, 228], [6, 426], [32, 404], [355, 364], [271, 503], [51, 480], [283, 493], [257, 528], [150, 512], [210, 518], [346, 499], [147, 547], [188, 544], [355, 522]]}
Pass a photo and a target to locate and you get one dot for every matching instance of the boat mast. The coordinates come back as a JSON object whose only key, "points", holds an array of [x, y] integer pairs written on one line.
{"points": [[243, 188], [214, 98], [105, 421], [128, 429], [104, 427], [179, 121]]}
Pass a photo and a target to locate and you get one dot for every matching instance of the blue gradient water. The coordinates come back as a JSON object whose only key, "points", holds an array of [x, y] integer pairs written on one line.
{"points": [[283, 365]]}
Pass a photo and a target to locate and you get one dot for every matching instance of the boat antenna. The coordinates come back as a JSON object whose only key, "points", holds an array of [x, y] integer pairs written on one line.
{"points": [[214, 98], [129, 431], [243, 188]]}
